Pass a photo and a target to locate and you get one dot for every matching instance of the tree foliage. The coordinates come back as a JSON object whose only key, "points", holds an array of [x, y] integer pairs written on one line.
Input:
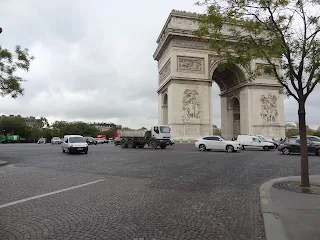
{"points": [[284, 34], [14, 125], [10, 63]]}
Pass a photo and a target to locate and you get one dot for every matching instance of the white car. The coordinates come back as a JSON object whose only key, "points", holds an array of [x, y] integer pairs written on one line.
{"points": [[74, 143], [253, 141], [216, 143]]}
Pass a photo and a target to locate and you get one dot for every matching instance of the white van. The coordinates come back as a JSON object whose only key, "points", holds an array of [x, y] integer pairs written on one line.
{"points": [[252, 141], [74, 143]]}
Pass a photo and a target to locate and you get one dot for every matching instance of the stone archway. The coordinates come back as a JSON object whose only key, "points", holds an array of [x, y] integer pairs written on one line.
{"points": [[236, 116], [187, 67], [227, 79], [165, 109]]}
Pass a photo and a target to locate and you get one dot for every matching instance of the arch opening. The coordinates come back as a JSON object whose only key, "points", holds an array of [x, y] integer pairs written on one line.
{"points": [[165, 109], [235, 109], [226, 79]]}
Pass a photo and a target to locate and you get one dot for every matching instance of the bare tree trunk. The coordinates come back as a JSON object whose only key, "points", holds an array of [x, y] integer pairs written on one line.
{"points": [[303, 145]]}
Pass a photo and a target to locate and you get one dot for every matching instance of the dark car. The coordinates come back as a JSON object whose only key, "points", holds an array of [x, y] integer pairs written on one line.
{"points": [[314, 139], [91, 140], [292, 145]]}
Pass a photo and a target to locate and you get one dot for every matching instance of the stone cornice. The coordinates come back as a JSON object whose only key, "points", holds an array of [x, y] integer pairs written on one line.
{"points": [[195, 81], [177, 13]]}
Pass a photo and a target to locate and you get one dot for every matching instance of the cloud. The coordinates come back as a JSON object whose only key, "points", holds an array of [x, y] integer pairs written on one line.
{"points": [[94, 60]]}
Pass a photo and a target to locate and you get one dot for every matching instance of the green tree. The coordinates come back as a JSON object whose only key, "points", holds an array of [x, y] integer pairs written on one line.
{"points": [[216, 132], [10, 63], [61, 128], [283, 33], [14, 125], [42, 122]]}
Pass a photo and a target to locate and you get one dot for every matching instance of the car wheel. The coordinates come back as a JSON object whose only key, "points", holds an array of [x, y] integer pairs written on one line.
{"points": [[202, 147], [69, 152], [86, 152], [242, 147], [230, 148], [63, 150], [318, 152], [286, 151], [266, 148]]}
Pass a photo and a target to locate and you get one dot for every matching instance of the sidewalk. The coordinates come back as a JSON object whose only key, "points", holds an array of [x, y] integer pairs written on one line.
{"points": [[290, 215]]}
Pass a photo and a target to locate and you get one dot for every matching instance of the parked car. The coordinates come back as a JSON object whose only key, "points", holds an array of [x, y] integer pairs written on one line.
{"points": [[252, 141], [91, 140], [74, 143], [42, 140], [216, 143], [56, 140], [292, 145]]}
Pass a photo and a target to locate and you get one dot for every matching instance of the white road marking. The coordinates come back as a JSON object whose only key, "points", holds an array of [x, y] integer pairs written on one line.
{"points": [[48, 194]]}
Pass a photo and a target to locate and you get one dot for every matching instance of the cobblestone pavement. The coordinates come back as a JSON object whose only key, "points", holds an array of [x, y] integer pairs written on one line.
{"points": [[176, 193]]}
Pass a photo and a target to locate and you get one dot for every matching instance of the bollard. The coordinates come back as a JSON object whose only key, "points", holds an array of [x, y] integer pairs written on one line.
{"points": [[180, 140], [189, 141]]}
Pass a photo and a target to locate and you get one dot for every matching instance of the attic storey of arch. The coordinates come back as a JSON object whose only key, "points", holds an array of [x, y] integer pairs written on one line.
{"points": [[271, 30]]}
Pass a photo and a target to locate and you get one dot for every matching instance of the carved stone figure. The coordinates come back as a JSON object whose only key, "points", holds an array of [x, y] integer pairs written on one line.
{"points": [[269, 111], [190, 105], [190, 64]]}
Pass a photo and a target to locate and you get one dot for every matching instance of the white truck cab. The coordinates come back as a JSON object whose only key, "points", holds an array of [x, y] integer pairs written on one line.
{"points": [[253, 141], [74, 143], [161, 132]]}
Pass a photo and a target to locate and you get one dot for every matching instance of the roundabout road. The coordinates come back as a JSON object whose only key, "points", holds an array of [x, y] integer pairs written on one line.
{"points": [[115, 193]]}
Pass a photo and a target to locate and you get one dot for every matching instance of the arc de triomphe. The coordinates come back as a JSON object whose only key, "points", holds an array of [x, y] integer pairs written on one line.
{"points": [[187, 68]]}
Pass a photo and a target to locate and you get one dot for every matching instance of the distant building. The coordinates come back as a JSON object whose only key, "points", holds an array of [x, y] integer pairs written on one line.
{"points": [[291, 125], [103, 126], [30, 121]]}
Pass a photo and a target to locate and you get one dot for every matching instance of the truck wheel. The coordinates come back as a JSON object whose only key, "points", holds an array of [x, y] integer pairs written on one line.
{"points": [[153, 144], [163, 146], [124, 144], [130, 143]]}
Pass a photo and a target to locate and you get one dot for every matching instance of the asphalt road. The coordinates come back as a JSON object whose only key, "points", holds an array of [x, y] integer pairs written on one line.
{"points": [[115, 193]]}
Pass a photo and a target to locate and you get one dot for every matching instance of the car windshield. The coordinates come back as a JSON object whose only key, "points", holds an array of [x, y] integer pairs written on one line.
{"points": [[56, 138], [262, 138], [164, 129], [77, 140], [222, 138]]}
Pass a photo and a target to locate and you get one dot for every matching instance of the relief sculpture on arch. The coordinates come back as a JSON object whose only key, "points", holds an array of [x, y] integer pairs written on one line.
{"points": [[190, 105], [269, 111]]}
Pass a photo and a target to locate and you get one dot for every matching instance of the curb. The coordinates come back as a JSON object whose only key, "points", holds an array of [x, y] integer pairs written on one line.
{"points": [[272, 223], [2, 163]]}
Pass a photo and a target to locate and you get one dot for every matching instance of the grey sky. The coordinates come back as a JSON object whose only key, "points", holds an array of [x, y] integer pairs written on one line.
{"points": [[94, 60]]}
